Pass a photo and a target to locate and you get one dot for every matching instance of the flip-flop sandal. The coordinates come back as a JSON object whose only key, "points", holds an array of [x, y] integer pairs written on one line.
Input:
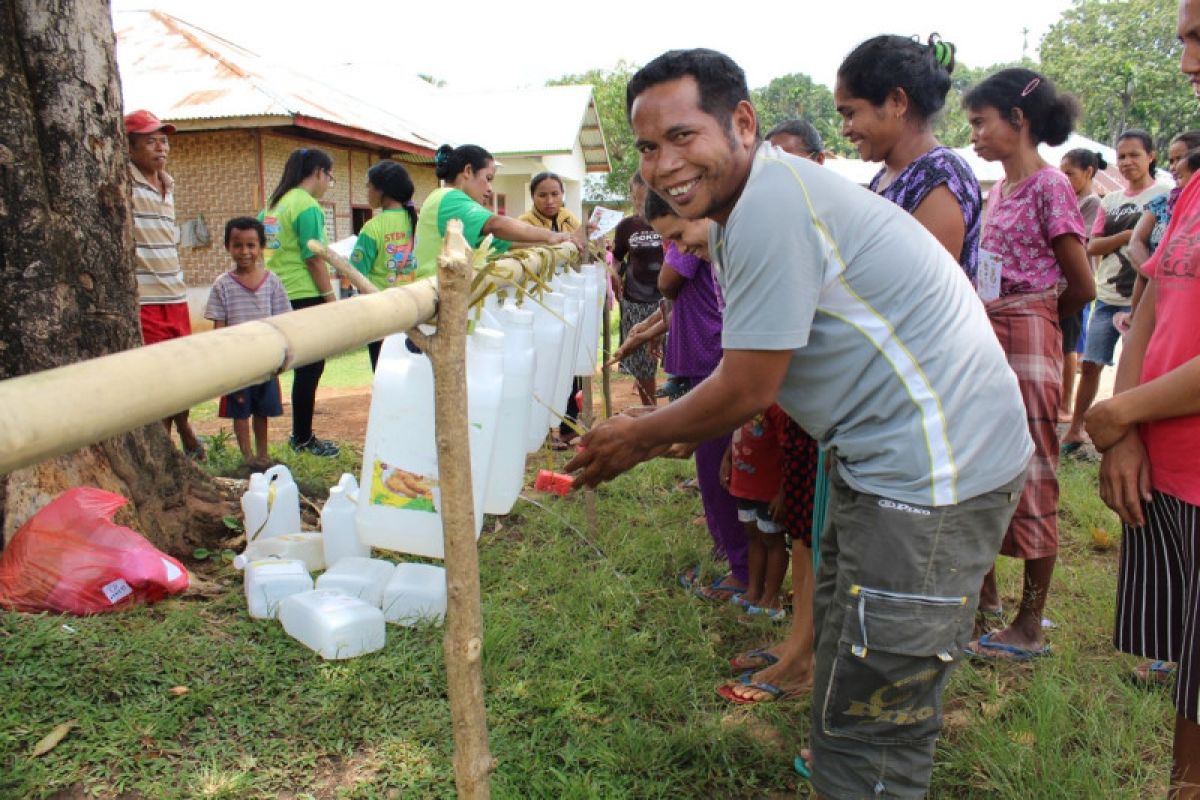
{"points": [[1154, 673], [773, 692], [718, 590], [773, 614], [1069, 449], [999, 651], [802, 768], [687, 579], [764, 659]]}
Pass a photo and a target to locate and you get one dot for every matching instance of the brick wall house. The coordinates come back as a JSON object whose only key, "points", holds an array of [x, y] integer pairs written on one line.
{"points": [[228, 173]]}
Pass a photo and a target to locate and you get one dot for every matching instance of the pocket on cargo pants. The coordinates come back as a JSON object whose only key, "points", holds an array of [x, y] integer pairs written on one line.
{"points": [[895, 654]]}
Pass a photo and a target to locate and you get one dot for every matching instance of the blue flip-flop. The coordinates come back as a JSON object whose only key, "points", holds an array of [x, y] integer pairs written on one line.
{"points": [[1011, 652], [765, 656], [802, 768], [687, 579]]}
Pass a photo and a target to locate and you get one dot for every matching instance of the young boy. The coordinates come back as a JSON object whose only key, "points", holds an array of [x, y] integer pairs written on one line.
{"points": [[248, 293], [752, 473]]}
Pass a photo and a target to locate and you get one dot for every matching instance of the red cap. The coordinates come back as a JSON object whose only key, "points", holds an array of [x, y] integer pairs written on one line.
{"points": [[143, 121]]}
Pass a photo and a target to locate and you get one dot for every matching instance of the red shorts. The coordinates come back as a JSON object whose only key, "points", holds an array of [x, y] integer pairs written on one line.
{"points": [[165, 321]]}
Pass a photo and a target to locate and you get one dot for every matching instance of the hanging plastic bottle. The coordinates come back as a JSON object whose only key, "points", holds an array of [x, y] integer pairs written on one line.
{"points": [[399, 506], [585, 354], [570, 286], [507, 470], [338, 528], [549, 335]]}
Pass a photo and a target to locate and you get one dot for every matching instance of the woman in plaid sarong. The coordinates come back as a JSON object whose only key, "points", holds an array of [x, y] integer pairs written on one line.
{"points": [[1033, 241]]}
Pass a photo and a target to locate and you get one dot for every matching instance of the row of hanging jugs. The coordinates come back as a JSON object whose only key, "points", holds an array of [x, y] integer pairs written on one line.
{"points": [[521, 362]]}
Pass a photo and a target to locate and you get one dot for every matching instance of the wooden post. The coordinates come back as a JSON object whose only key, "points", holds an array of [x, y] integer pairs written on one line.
{"points": [[463, 641]]}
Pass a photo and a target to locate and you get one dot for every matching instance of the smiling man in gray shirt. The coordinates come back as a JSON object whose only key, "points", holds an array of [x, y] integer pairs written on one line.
{"points": [[847, 312]]}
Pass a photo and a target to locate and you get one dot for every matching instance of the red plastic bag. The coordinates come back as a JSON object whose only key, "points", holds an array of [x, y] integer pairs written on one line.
{"points": [[72, 557]]}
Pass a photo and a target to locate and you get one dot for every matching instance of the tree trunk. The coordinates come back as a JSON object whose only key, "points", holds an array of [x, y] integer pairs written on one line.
{"points": [[66, 261]]}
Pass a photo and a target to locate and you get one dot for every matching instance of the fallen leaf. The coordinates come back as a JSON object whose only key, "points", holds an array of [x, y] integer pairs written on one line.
{"points": [[1101, 539], [178, 691], [1023, 737], [990, 709], [51, 739]]}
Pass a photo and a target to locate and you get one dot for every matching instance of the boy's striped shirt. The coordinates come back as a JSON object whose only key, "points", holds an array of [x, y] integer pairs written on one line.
{"points": [[159, 275]]}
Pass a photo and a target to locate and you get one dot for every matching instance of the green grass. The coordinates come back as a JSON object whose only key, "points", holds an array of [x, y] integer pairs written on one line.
{"points": [[599, 675], [350, 369]]}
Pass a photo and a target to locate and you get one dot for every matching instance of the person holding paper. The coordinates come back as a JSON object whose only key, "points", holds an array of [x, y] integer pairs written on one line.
{"points": [[1033, 240]]}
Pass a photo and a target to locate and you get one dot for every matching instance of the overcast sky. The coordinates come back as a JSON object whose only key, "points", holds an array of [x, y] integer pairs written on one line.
{"points": [[472, 44]]}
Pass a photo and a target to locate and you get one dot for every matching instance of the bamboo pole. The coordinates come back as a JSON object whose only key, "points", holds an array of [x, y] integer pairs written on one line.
{"points": [[463, 641], [49, 413], [343, 268]]}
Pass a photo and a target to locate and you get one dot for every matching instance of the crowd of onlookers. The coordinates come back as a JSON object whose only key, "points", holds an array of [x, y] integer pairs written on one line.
{"points": [[884, 379]]}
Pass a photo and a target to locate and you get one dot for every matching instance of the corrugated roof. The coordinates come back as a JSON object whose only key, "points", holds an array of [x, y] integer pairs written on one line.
{"points": [[541, 120], [183, 73]]}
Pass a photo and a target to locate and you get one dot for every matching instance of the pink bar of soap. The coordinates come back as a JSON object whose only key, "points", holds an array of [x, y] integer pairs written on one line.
{"points": [[553, 482]]}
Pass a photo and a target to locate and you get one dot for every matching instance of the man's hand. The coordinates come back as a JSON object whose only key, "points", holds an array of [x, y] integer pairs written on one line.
{"points": [[609, 449], [1125, 478], [1103, 424]]}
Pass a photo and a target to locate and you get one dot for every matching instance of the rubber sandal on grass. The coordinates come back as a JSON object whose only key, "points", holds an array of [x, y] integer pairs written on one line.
{"points": [[761, 660], [718, 591], [774, 694], [687, 579], [999, 651], [1154, 673]]}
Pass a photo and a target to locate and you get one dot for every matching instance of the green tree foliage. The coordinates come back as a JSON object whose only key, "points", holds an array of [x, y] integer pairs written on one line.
{"points": [[1121, 58], [797, 95], [608, 89]]}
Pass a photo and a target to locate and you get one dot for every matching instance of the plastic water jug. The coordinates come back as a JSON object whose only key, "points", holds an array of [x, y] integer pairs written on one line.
{"points": [[549, 335], [349, 485], [399, 499], [338, 529], [363, 578], [332, 624], [566, 365], [270, 580], [416, 593], [307, 546], [506, 474], [271, 504], [585, 354]]}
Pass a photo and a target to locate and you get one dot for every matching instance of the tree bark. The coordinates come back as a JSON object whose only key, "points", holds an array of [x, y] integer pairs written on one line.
{"points": [[66, 261]]}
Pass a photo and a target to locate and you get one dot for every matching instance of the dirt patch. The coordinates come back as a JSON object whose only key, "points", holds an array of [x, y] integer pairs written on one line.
{"points": [[341, 414]]}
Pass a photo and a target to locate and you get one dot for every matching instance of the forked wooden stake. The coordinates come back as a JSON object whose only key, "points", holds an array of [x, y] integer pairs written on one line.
{"points": [[463, 642]]}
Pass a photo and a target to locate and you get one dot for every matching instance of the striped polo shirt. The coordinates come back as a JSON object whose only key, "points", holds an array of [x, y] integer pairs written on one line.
{"points": [[159, 275], [895, 366]]}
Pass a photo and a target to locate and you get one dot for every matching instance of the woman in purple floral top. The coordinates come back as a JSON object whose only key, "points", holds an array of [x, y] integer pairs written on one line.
{"points": [[1033, 243], [888, 90]]}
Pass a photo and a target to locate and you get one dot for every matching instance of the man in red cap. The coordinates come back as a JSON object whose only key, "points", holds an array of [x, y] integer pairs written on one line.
{"points": [[162, 293]]}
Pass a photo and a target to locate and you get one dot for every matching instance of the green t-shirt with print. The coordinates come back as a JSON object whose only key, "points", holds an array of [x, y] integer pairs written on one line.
{"points": [[384, 250], [290, 224], [439, 208]]}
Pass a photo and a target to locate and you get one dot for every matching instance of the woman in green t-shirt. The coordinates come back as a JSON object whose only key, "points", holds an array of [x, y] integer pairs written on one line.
{"points": [[293, 217], [466, 173], [384, 250]]}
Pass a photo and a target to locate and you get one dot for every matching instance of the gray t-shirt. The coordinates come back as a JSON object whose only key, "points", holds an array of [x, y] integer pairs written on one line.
{"points": [[896, 366]]}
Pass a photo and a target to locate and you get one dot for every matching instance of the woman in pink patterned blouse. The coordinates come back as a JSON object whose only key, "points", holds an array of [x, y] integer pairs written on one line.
{"points": [[1033, 242]]}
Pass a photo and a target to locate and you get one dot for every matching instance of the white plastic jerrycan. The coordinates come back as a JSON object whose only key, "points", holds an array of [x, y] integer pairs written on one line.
{"points": [[506, 474], [399, 505], [307, 546], [571, 288], [332, 624], [271, 504], [364, 578], [416, 593], [270, 580], [585, 354], [549, 335], [338, 528]]}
